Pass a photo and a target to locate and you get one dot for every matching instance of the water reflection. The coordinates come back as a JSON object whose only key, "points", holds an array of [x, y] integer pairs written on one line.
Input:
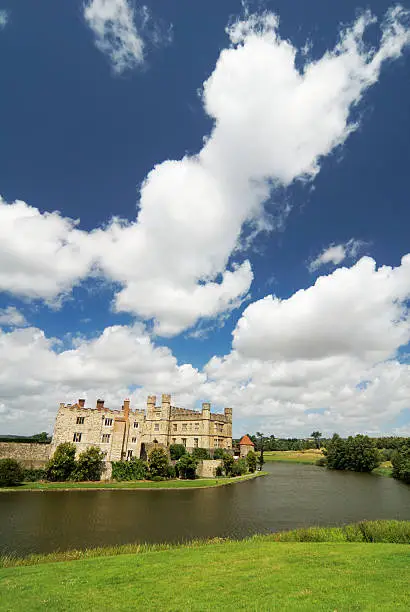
{"points": [[291, 496]]}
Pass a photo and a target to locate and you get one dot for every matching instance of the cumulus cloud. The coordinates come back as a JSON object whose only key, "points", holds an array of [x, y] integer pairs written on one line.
{"points": [[336, 253], [122, 361], [4, 17], [41, 255], [325, 357], [113, 25], [11, 317], [273, 123]]}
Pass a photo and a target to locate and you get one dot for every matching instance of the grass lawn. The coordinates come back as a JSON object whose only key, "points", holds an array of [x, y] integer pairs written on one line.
{"points": [[133, 484], [257, 574], [384, 469], [307, 456]]}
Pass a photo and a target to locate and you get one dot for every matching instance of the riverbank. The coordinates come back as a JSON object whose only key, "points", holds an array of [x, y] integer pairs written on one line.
{"points": [[309, 456], [318, 575], [144, 485]]}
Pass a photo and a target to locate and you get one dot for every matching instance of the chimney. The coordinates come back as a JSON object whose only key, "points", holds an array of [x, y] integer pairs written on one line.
{"points": [[100, 404], [151, 401], [228, 414], [206, 410], [81, 403], [126, 408]]}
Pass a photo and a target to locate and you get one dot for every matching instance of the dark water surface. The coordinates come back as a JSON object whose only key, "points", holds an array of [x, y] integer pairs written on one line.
{"points": [[293, 495]]}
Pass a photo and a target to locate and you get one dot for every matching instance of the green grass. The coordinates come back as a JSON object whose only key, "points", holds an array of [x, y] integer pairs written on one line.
{"points": [[310, 456], [385, 469], [130, 484], [255, 574]]}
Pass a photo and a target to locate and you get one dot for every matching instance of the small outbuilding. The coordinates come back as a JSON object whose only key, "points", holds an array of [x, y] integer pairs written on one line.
{"points": [[245, 446]]}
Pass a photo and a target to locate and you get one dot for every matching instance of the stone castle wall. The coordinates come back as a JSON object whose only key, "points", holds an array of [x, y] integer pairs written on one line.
{"points": [[30, 454]]}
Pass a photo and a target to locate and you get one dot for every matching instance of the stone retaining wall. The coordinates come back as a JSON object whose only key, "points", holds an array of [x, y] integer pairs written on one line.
{"points": [[29, 454], [207, 467]]}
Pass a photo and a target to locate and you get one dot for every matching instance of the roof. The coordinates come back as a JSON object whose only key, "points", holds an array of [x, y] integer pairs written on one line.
{"points": [[246, 441]]}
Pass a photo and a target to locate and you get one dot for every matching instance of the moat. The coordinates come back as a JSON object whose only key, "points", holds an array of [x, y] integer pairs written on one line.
{"points": [[291, 496]]}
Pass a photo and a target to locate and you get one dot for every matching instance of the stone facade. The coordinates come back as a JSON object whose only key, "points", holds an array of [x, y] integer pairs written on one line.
{"points": [[125, 433], [207, 468], [30, 454]]}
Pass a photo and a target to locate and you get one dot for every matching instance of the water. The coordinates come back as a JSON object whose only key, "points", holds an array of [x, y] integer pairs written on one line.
{"points": [[291, 496]]}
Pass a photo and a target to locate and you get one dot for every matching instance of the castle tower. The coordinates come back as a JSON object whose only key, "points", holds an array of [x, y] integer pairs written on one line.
{"points": [[165, 407]]}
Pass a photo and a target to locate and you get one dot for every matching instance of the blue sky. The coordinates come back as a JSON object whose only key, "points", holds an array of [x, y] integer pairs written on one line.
{"points": [[242, 163]]}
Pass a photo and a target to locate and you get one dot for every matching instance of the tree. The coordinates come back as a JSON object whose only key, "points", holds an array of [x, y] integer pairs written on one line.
{"points": [[42, 438], [316, 435], [239, 467], [401, 462], [261, 445], [11, 473], [227, 462], [89, 465], [219, 453], [358, 454], [158, 463], [62, 464], [186, 467], [251, 460], [200, 453], [176, 451]]}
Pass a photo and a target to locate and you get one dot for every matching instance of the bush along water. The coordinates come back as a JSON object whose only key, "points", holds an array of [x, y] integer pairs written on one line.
{"points": [[358, 454], [11, 473], [401, 462]]}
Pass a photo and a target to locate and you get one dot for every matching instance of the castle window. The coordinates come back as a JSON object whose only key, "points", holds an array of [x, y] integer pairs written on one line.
{"points": [[105, 438], [175, 426], [80, 420], [133, 440], [77, 437], [184, 441], [196, 426], [190, 426], [156, 427], [183, 426], [215, 442], [135, 425], [174, 440], [108, 422], [195, 442], [129, 454]]}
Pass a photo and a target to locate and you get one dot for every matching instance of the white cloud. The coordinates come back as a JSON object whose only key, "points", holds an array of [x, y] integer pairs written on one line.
{"points": [[35, 377], [113, 24], [331, 348], [336, 253], [289, 371], [4, 17], [11, 317], [41, 255], [273, 124]]}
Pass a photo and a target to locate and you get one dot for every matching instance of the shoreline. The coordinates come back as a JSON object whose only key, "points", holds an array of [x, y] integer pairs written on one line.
{"points": [[377, 532], [137, 485]]}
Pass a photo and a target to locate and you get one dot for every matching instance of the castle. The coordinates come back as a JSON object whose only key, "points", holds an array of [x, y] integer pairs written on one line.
{"points": [[122, 434]]}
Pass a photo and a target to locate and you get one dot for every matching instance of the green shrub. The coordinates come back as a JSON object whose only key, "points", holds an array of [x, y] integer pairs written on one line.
{"points": [[358, 454], [11, 473], [200, 453], [33, 475], [171, 471], [218, 453], [321, 462], [251, 460], [401, 462], [158, 463], [176, 451], [62, 464], [89, 465], [157, 478], [134, 469], [187, 467], [228, 462], [219, 471], [239, 467]]}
